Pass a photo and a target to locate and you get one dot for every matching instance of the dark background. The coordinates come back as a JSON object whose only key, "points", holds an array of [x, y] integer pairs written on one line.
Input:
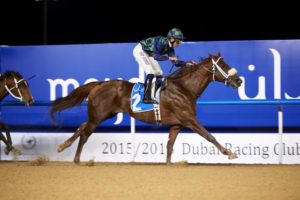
{"points": [[91, 21]]}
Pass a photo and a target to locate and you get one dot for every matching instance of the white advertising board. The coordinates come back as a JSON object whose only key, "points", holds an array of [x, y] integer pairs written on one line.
{"points": [[251, 148]]}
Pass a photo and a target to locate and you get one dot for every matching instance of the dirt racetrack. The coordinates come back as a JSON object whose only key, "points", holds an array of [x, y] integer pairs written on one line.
{"points": [[62, 180]]}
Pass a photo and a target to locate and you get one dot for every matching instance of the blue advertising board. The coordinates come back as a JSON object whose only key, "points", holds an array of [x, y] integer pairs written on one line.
{"points": [[269, 69]]}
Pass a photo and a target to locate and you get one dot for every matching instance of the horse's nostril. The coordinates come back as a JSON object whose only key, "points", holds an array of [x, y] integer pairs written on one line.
{"points": [[30, 101]]}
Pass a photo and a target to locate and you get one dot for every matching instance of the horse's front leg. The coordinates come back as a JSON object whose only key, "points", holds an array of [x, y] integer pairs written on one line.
{"points": [[9, 147], [7, 131], [173, 132], [198, 128]]}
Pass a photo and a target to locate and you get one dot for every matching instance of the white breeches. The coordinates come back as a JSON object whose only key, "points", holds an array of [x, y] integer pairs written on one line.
{"points": [[148, 63]]}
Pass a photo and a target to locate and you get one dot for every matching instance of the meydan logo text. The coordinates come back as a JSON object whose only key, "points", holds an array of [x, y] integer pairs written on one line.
{"points": [[69, 84], [262, 82]]}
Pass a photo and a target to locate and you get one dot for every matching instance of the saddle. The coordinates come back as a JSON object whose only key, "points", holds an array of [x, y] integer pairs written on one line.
{"points": [[137, 105], [137, 94]]}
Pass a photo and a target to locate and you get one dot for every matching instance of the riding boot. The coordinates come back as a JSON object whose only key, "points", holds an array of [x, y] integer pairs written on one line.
{"points": [[148, 89]]}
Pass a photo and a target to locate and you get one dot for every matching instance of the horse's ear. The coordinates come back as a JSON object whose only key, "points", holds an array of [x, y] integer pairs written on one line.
{"points": [[219, 54]]}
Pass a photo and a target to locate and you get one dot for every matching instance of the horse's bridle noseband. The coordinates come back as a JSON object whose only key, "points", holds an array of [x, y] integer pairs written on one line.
{"points": [[216, 67], [16, 86]]}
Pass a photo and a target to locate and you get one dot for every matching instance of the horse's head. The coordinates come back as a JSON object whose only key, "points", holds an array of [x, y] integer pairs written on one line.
{"points": [[17, 87], [222, 72]]}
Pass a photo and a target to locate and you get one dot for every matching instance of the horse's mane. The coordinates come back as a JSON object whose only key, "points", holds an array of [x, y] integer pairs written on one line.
{"points": [[8, 74], [182, 71]]}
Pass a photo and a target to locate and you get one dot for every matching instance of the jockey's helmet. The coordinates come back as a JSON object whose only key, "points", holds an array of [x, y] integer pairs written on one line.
{"points": [[176, 33]]}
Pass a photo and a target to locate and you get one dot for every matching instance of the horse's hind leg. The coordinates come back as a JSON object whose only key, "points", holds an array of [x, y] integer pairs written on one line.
{"points": [[87, 131], [198, 128], [174, 130], [90, 126], [70, 141]]}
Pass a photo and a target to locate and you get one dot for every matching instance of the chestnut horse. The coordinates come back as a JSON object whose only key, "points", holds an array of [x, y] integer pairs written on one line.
{"points": [[177, 102], [14, 84]]}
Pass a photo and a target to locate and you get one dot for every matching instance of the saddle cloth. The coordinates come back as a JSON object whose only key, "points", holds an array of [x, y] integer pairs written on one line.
{"points": [[137, 95]]}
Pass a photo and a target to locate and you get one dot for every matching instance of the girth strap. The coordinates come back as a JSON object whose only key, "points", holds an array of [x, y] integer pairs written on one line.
{"points": [[157, 114]]}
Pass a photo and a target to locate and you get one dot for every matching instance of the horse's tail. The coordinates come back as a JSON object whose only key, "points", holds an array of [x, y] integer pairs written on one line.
{"points": [[76, 97]]}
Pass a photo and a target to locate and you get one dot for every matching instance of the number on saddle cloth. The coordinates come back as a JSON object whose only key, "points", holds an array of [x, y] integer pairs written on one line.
{"points": [[137, 94]]}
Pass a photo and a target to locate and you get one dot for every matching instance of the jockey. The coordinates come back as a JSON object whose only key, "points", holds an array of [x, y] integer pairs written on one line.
{"points": [[151, 50]]}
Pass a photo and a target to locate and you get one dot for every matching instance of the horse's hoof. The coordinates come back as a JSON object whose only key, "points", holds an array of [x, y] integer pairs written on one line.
{"points": [[232, 156], [6, 150], [16, 152], [77, 161], [60, 148]]}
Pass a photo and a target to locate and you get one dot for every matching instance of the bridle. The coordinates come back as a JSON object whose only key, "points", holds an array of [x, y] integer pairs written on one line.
{"points": [[215, 67], [16, 86]]}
